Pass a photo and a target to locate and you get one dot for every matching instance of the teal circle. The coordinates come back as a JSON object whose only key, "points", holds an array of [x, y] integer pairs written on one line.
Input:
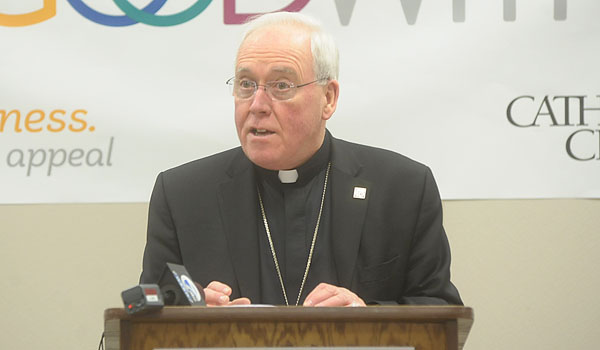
{"points": [[162, 21]]}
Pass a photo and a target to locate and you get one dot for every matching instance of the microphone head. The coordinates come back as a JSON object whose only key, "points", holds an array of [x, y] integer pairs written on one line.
{"points": [[178, 288]]}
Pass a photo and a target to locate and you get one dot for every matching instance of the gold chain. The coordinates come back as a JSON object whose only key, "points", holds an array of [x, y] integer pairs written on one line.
{"points": [[312, 245]]}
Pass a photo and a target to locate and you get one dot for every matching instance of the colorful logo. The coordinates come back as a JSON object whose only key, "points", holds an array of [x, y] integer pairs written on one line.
{"points": [[147, 15], [133, 15], [110, 20]]}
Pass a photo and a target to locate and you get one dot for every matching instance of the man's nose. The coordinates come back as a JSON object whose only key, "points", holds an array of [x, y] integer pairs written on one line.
{"points": [[261, 101]]}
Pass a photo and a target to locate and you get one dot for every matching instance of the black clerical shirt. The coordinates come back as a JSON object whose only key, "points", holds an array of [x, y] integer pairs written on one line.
{"points": [[292, 210]]}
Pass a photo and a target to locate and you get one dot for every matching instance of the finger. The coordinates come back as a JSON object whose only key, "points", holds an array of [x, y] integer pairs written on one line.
{"points": [[214, 298], [334, 300], [240, 301], [344, 298], [217, 293], [329, 295], [219, 287], [321, 292]]}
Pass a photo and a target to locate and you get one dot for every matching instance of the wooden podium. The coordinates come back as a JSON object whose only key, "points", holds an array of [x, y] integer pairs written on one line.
{"points": [[421, 327]]}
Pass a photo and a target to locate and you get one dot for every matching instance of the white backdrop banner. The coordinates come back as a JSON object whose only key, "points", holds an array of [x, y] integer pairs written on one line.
{"points": [[501, 98]]}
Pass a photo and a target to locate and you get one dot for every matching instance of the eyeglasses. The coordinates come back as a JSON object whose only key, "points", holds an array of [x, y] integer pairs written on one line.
{"points": [[280, 90]]}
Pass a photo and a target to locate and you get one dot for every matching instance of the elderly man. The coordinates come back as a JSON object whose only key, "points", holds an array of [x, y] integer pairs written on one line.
{"points": [[295, 216]]}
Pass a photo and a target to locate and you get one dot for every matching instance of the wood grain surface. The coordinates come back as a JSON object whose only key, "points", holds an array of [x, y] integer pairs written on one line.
{"points": [[423, 327]]}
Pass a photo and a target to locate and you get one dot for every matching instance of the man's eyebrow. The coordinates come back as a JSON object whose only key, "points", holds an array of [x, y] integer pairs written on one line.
{"points": [[277, 69], [283, 70], [243, 70]]}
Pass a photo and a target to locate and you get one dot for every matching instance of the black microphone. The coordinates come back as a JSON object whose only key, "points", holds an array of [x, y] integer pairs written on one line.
{"points": [[178, 288], [175, 287], [142, 298]]}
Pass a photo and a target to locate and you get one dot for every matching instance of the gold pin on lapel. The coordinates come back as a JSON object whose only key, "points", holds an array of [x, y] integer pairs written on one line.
{"points": [[360, 193]]}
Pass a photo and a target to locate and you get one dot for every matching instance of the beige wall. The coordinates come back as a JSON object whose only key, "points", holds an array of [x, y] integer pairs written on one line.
{"points": [[529, 268]]}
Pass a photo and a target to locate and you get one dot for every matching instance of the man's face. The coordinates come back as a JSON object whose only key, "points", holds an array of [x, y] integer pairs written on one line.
{"points": [[278, 134]]}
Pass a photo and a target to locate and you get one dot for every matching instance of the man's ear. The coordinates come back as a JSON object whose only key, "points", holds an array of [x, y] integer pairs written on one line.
{"points": [[332, 92]]}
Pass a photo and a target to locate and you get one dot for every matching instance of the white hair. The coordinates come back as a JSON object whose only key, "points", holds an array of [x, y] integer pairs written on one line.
{"points": [[322, 45]]}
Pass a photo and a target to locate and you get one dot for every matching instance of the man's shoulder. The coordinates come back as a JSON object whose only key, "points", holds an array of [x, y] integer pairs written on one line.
{"points": [[371, 157], [392, 174], [213, 166]]}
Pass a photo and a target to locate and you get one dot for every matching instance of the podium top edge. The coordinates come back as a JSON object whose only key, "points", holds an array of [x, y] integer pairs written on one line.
{"points": [[297, 313]]}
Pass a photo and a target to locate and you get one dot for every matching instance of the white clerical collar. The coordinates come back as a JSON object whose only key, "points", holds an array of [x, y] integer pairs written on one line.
{"points": [[288, 176]]}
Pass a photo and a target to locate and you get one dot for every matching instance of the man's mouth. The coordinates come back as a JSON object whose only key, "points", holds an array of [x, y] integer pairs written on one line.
{"points": [[261, 132]]}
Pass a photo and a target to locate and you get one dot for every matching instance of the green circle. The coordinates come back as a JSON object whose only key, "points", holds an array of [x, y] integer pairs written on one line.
{"points": [[162, 21]]}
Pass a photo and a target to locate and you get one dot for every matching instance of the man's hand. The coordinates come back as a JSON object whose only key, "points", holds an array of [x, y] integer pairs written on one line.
{"points": [[217, 294], [329, 295]]}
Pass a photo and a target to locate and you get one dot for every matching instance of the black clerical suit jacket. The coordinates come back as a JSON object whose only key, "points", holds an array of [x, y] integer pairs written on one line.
{"points": [[389, 247]]}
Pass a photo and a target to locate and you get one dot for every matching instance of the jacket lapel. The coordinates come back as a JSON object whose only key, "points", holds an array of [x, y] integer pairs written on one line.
{"points": [[348, 212], [237, 204]]}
